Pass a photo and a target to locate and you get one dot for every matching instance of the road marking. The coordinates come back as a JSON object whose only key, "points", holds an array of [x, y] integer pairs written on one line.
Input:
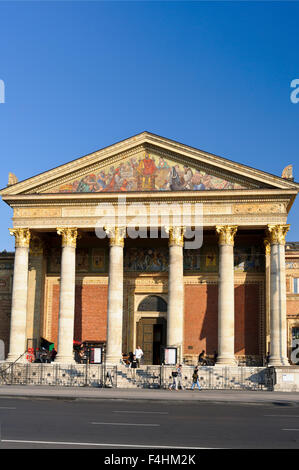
{"points": [[7, 408], [290, 429], [285, 416], [130, 446], [127, 424], [144, 412]]}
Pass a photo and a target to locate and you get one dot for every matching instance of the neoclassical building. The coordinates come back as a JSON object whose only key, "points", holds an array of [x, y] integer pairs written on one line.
{"points": [[103, 253]]}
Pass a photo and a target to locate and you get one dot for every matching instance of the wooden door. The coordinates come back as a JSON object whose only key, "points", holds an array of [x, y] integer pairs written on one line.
{"points": [[145, 338]]}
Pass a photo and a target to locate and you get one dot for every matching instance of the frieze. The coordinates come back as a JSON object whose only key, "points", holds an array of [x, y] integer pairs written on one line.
{"points": [[37, 212], [254, 219], [259, 208]]}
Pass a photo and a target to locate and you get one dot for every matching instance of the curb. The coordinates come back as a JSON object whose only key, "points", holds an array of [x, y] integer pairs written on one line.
{"points": [[278, 401]]}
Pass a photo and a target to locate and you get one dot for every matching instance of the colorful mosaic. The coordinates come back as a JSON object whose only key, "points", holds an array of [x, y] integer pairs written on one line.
{"points": [[87, 260], [146, 259], [248, 259], [147, 173], [157, 259], [98, 259], [205, 259]]}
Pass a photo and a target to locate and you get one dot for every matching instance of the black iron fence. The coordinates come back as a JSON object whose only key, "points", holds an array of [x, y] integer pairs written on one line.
{"points": [[91, 375]]}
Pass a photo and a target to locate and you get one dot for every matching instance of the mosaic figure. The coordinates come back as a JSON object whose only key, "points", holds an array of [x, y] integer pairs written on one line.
{"points": [[148, 173]]}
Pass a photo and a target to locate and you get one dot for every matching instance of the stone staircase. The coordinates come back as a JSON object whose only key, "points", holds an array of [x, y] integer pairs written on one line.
{"points": [[145, 377], [229, 378]]}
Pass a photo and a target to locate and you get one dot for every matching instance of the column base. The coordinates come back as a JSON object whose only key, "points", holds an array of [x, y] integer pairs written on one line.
{"points": [[112, 360], [278, 361], [226, 361], [64, 360], [14, 358]]}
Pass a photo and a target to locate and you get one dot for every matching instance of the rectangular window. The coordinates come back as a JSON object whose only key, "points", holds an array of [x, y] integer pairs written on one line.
{"points": [[296, 285]]}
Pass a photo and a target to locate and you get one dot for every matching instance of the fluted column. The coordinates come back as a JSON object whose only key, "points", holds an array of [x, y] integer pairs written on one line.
{"points": [[17, 344], [175, 309], [278, 320], [115, 295], [67, 296], [226, 299]]}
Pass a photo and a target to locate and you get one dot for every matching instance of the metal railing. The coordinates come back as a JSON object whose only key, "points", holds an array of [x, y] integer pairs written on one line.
{"points": [[91, 375]]}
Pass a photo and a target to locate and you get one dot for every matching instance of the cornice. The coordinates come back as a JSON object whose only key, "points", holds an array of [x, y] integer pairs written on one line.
{"points": [[246, 195]]}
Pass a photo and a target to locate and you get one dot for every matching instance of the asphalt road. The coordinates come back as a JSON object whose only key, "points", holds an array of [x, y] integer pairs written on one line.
{"points": [[117, 424]]}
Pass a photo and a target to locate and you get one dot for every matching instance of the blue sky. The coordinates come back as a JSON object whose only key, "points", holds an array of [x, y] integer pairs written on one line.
{"points": [[82, 75]]}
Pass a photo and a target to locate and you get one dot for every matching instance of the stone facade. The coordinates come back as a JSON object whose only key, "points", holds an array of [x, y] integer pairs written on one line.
{"points": [[232, 295]]}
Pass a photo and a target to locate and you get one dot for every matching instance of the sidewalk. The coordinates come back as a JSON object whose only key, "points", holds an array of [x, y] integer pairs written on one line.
{"points": [[90, 393]]}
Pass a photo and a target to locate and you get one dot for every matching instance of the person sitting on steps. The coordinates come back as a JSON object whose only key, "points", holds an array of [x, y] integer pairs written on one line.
{"points": [[201, 359]]}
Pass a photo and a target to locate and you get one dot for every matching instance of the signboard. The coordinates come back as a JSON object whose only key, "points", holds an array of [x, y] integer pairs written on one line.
{"points": [[96, 356], [288, 377], [170, 356]]}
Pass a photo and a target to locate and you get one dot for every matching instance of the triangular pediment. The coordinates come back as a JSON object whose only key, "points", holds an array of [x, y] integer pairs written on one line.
{"points": [[148, 162], [147, 170]]}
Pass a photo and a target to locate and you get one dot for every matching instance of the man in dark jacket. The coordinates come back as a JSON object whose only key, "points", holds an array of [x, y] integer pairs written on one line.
{"points": [[195, 379]]}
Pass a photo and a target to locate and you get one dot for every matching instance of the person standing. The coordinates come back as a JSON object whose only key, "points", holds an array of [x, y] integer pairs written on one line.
{"points": [[195, 379], [133, 366], [174, 385], [215, 357], [138, 353], [180, 377]]}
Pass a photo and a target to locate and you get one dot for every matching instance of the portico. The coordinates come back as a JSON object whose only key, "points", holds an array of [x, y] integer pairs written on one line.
{"points": [[85, 287]]}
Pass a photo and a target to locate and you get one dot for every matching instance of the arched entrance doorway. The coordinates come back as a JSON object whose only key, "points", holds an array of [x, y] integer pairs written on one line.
{"points": [[151, 328]]}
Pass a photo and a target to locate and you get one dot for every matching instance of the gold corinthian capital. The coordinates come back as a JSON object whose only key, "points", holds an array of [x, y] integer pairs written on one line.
{"points": [[277, 233], [176, 235], [226, 234], [267, 246], [69, 236], [116, 235], [22, 237]]}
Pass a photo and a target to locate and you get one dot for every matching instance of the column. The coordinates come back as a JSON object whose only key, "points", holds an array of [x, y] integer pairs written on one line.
{"points": [[278, 315], [36, 282], [67, 296], [17, 344], [175, 310], [267, 293], [115, 295], [226, 296]]}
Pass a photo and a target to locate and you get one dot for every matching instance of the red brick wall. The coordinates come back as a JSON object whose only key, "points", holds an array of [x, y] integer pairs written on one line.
{"points": [[90, 313], [201, 319], [5, 308], [293, 306], [247, 306], [55, 310]]}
